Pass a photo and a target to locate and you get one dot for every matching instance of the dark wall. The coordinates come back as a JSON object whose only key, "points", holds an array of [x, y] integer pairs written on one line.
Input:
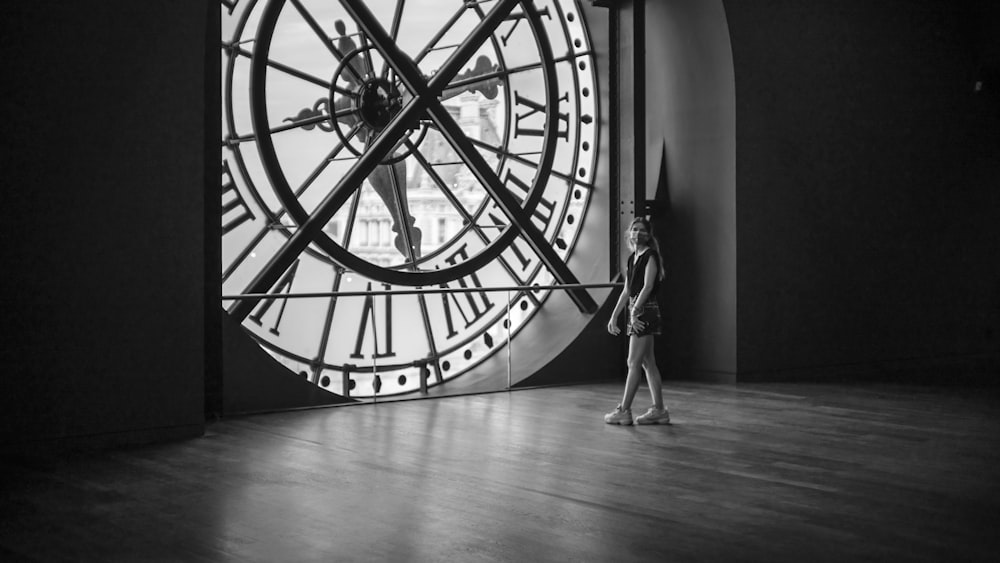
{"points": [[104, 242], [868, 190]]}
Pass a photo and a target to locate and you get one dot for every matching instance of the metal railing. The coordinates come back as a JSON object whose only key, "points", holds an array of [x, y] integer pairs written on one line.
{"points": [[422, 291], [418, 290]]}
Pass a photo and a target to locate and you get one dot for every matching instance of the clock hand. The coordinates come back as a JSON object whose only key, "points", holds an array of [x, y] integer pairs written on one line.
{"points": [[488, 87], [389, 182]]}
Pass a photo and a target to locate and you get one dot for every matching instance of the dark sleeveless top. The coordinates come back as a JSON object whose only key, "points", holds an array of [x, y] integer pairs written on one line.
{"points": [[635, 276]]}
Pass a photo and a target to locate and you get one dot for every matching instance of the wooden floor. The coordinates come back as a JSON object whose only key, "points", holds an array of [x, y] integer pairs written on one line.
{"points": [[755, 472]]}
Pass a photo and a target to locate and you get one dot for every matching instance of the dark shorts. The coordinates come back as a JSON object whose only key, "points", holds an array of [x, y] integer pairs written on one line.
{"points": [[650, 315]]}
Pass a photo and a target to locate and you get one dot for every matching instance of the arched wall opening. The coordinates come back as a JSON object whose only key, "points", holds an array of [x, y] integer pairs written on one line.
{"points": [[691, 180]]}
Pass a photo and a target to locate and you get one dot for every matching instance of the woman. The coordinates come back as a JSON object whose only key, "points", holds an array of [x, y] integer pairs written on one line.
{"points": [[642, 282]]}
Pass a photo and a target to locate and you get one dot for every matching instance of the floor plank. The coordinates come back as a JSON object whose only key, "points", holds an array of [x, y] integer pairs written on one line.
{"points": [[761, 472]]}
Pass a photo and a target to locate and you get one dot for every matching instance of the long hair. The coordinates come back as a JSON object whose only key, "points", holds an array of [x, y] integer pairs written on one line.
{"points": [[653, 243]]}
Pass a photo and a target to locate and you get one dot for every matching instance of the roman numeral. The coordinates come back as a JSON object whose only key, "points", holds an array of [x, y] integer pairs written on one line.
{"points": [[533, 107], [472, 306], [385, 330], [516, 18], [545, 209], [522, 258], [284, 286], [235, 211]]}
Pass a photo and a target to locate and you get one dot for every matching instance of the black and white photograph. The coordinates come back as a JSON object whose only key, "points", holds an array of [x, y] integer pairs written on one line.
{"points": [[500, 280]]}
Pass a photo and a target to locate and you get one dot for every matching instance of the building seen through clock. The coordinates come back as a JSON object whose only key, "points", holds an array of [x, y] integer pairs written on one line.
{"points": [[372, 235]]}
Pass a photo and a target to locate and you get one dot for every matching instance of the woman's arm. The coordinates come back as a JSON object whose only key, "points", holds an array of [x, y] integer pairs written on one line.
{"points": [[622, 301]]}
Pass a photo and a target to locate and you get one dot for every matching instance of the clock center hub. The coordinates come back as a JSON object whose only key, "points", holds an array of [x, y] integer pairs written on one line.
{"points": [[378, 101]]}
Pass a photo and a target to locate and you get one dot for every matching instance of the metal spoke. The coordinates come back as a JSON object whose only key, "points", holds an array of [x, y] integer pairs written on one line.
{"points": [[352, 216], [509, 205], [519, 158], [282, 210], [245, 253], [436, 178], [437, 37], [287, 69], [503, 72], [468, 217], [331, 157]]}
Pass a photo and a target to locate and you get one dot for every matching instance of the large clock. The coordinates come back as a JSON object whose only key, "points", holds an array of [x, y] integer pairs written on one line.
{"points": [[377, 150]]}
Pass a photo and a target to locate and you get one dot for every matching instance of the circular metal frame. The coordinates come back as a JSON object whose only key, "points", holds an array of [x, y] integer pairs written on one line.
{"points": [[258, 101]]}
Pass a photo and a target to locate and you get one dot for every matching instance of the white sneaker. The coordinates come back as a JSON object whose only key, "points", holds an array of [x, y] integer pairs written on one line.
{"points": [[654, 416], [619, 416]]}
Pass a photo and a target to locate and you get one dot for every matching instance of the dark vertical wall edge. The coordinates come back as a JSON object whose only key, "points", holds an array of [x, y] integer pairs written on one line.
{"points": [[104, 223], [638, 76], [690, 140], [214, 388], [614, 131]]}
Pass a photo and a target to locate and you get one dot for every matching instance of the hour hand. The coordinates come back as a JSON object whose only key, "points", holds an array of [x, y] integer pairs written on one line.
{"points": [[389, 182]]}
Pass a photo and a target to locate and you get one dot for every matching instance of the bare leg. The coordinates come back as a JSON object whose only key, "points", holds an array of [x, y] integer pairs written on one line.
{"points": [[637, 350], [653, 376]]}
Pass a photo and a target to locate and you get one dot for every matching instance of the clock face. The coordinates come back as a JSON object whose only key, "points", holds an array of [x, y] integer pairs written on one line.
{"points": [[380, 149]]}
